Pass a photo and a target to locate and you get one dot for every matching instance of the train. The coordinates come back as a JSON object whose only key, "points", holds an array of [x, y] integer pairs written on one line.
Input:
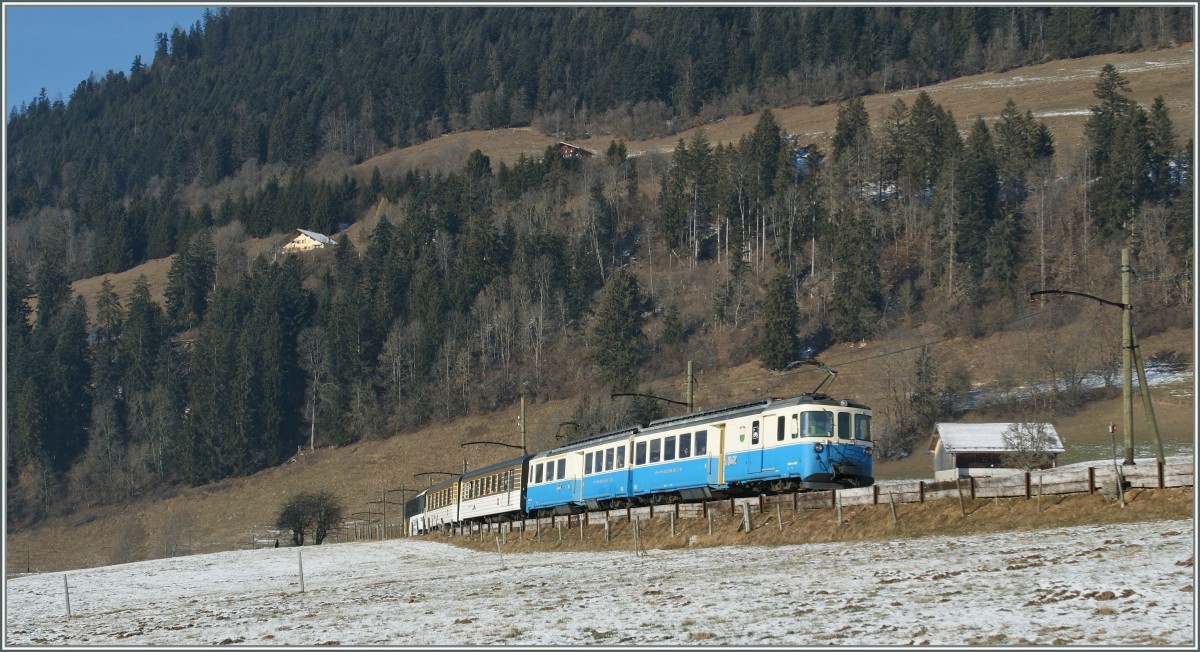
{"points": [[765, 446]]}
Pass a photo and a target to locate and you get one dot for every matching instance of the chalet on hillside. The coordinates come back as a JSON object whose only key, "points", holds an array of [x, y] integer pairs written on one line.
{"points": [[574, 151], [304, 240], [977, 449]]}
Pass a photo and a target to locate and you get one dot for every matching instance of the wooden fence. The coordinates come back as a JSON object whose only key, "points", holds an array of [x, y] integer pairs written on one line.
{"points": [[1049, 482]]}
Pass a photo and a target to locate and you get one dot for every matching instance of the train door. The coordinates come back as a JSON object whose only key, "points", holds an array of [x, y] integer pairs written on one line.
{"points": [[756, 446], [720, 453]]}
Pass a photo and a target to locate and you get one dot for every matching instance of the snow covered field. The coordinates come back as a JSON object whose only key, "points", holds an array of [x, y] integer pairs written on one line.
{"points": [[1118, 585]]}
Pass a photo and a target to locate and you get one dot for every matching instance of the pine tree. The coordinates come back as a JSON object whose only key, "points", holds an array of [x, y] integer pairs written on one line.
{"points": [[778, 345], [977, 199], [856, 299], [617, 338]]}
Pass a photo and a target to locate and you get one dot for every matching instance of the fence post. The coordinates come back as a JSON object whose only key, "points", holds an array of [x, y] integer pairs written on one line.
{"points": [[874, 494], [1039, 506], [746, 517], [972, 479], [1161, 480], [710, 524], [779, 516], [961, 508], [1027, 492], [837, 501], [300, 561], [672, 523], [1091, 475], [920, 491], [892, 504], [67, 593]]}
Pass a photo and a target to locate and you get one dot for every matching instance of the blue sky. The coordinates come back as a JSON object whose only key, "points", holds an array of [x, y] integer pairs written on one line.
{"points": [[57, 46]]}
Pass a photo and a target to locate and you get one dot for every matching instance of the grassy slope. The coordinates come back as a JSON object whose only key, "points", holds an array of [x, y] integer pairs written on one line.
{"points": [[231, 513]]}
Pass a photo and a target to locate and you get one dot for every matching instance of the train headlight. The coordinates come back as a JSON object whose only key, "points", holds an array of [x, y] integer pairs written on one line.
{"points": [[818, 447]]}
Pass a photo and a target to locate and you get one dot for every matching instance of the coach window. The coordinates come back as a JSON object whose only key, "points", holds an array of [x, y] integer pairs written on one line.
{"points": [[702, 442], [587, 464], [754, 433], [669, 448], [862, 427], [537, 474], [685, 445], [781, 426], [621, 456], [640, 453], [608, 459], [843, 425], [795, 426], [562, 468], [655, 450]]}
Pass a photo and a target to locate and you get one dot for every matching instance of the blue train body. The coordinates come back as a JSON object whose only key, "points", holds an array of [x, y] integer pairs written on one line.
{"points": [[763, 446]]}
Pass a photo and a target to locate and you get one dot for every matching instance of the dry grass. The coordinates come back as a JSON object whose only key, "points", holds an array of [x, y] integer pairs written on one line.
{"points": [[860, 523]]}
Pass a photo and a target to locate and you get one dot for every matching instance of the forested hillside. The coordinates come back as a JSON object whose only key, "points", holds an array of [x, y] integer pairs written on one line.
{"points": [[500, 280]]}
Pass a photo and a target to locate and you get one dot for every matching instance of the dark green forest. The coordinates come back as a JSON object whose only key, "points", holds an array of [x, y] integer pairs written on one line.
{"points": [[502, 280]]}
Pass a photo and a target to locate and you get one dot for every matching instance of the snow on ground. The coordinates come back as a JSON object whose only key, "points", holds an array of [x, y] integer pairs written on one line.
{"points": [[1120, 585]]}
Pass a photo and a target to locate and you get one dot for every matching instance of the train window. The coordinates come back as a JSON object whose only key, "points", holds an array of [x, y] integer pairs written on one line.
{"points": [[640, 453], [816, 424], [655, 450], [795, 426], [862, 427], [562, 468], [621, 457], [843, 425], [685, 445], [669, 448], [702, 442], [608, 459], [754, 433], [587, 464], [781, 426], [537, 474]]}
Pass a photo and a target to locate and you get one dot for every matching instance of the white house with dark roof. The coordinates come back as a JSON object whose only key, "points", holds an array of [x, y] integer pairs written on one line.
{"points": [[978, 449], [304, 240]]}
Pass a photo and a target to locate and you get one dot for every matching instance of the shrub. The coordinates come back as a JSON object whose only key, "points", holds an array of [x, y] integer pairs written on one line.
{"points": [[307, 512]]}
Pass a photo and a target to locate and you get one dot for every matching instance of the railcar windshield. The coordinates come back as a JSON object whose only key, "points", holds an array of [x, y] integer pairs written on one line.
{"points": [[862, 427], [816, 424]]}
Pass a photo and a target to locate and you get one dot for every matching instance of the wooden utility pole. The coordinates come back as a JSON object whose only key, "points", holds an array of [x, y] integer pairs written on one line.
{"points": [[691, 383], [1126, 358], [524, 450]]}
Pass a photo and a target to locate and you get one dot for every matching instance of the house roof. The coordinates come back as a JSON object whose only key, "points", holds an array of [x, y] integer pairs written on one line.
{"points": [[321, 238], [984, 437]]}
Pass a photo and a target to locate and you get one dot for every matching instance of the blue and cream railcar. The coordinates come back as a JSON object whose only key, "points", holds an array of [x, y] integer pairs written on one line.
{"points": [[606, 468], [805, 442], [553, 482], [493, 493], [678, 457]]}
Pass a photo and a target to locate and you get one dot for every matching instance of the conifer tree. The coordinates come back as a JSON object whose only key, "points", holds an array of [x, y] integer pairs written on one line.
{"points": [[778, 344], [617, 337], [856, 299]]}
